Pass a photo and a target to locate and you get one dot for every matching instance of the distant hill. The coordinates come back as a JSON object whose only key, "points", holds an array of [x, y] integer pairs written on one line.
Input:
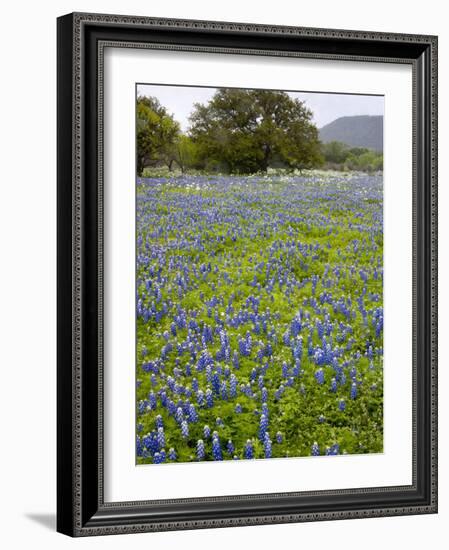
{"points": [[356, 131]]}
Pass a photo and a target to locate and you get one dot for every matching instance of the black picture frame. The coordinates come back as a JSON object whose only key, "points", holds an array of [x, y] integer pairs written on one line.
{"points": [[81, 510]]}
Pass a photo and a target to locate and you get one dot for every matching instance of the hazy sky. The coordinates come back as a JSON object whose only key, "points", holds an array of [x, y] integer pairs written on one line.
{"points": [[179, 100]]}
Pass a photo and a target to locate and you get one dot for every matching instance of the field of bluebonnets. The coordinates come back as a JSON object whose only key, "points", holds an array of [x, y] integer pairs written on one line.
{"points": [[259, 316]]}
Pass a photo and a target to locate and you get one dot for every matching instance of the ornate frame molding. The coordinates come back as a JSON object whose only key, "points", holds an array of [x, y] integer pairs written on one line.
{"points": [[82, 511]]}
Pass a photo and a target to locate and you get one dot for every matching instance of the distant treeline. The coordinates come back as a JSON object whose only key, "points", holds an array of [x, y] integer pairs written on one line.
{"points": [[339, 156], [240, 132]]}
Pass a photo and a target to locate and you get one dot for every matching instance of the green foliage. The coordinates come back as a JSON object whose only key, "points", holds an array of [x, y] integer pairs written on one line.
{"points": [[186, 153], [157, 133], [338, 155], [326, 223], [247, 131]]}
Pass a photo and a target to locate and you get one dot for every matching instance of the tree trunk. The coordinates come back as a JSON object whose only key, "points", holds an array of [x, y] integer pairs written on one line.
{"points": [[266, 157]]}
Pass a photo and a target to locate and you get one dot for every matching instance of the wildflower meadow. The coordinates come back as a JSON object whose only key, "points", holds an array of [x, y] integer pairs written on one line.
{"points": [[259, 316]]}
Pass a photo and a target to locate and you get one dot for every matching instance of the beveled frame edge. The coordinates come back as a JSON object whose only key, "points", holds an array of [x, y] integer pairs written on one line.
{"points": [[72, 258]]}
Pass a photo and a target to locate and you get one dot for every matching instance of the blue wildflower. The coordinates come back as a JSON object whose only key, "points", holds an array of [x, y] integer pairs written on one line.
{"points": [[249, 450], [200, 452], [263, 426], [172, 454], [161, 437], [267, 445], [319, 376], [184, 429], [216, 449]]}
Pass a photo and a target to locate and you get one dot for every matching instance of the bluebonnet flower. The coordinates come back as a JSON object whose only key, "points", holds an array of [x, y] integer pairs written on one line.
{"points": [[233, 385], [139, 446], [193, 415], [172, 454], [224, 390], [249, 450], [139, 427], [157, 458], [142, 406], [206, 432], [296, 326], [161, 437], [342, 405], [230, 447], [321, 418], [244, 347], [315, 449], [184, 429], [216, 449], [209, 374], [279, 392], [267, 445], [333, 450], [264, 395], [265, 410], [200, 453], [171, 407], [297, 368], [209, 398], [333, 387], [150, 442], [219, 421], [253, 375], [159, 422], [319, 376], [163, 397], [216, 383], [200, 398], [263, 426], [179, 415], [353, 390], [238, 408], [279, 437]]}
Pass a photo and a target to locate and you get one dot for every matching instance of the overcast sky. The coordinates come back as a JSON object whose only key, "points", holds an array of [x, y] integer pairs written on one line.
{"points": [[179, 100]]}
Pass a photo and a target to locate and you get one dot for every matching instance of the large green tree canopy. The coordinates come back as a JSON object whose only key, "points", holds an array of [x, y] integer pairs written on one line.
{"points": [[247, 131], [157, 134]]}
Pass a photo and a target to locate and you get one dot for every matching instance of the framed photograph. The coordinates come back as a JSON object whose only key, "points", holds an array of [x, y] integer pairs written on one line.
{"points": [[247, 279]]}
